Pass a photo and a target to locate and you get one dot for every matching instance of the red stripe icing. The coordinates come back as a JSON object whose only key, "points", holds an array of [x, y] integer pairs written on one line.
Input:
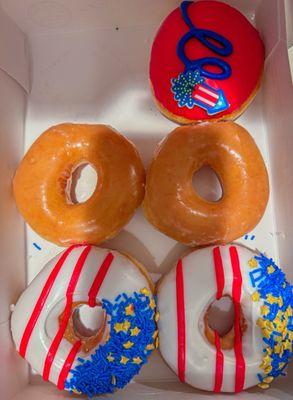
{"points": [[99, 279], [219, 270], [219, 365], [220, 281], [180, 321], [67, 312], [41, 301], [236, 294], [67, 365]]}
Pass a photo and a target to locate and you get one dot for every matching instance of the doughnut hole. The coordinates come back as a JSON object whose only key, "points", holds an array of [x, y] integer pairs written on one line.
{"points": [[81, 182], [220, 317], [87, 325], [206, 184]]}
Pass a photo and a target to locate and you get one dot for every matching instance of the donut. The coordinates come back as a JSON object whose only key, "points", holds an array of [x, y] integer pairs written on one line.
{"points": [[43, 179], [206, 63], [93, 362], [256, 349], [171, 203]]}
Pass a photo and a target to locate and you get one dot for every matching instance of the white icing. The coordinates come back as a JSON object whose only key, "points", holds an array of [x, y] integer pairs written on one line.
{"points": [[123, 277], [199, 292]]}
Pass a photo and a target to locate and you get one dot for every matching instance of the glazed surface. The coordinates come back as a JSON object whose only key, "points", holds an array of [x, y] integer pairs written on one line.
{"points": [[171, 203], [245, 61], [40, 183]]}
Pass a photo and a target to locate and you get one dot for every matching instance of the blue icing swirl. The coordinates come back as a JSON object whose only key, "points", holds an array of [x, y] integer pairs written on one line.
{"points": [[276, 321], [132, 339]]}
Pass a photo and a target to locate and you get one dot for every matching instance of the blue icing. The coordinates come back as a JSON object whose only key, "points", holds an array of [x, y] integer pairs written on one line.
{"points": [[276, 317], [98, 375], [211, 98]]}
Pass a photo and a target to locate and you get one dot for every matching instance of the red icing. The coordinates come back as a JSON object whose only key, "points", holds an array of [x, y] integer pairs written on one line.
{"points": [[41, 301], [67, 312], [99, 279], [246, 60], [236, 295], [219, 365], [220, 278], [68, 364], [180, 322]]}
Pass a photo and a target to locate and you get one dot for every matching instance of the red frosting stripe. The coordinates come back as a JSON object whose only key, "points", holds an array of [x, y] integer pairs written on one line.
{"points": [[67, 312], [67, 365], [181, 341], [220, 280], [219, 270], [236, 295], [219, 365], [99, 279], [41, 301]]}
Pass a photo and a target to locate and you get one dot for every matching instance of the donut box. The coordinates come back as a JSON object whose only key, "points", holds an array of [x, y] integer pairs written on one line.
{"points": [[87, 61]]}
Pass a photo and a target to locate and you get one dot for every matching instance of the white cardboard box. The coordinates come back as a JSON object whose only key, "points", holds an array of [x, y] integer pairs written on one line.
{"points": [[87, 61]]}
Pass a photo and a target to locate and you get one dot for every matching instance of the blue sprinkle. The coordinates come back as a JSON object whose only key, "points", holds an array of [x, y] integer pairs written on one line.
{"points": [[252, 237], [37, 246], [246, 237], [273, 284], [94, 376]]}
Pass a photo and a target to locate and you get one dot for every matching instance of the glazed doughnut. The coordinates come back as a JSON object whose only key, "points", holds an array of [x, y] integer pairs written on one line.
{"points": [[258, 347], [172, 205], [206, 63], [43, 178], [43, 323]]}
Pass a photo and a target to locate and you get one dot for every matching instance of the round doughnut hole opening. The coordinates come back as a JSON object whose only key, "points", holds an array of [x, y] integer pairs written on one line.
{"points": [[88, 321], [206, 184], [220, 316], [82, 183]]}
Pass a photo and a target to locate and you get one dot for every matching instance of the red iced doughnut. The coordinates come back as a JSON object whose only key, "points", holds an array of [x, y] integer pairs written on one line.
{"points": [[206, 62]]}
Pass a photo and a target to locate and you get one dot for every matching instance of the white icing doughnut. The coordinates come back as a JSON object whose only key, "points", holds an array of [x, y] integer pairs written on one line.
{"points": [[92, 276], [251, 280]]}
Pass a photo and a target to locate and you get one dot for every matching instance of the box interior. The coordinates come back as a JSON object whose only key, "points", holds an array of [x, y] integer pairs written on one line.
{"points": [[87, 61]]}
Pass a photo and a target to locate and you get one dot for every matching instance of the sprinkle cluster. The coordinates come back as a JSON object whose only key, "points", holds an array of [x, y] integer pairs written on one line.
{"points": [[183, 87], [276, 321], [133, 336]]}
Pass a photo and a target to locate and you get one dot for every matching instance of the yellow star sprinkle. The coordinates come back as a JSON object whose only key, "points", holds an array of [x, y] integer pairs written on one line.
{"points": [[150, 347], [157, 343], [118, 327], [266, 361], [268, 379], [128, 344], [155, 334], [268, 369], [255, 296], [157, 316], [263, 385], [152, 304], [129, 310], [145, 291], [124, 360], [137, 360], [134, 331], [252, 263], [124, 326], [272, 299], [271, 269], [110, 358], [264, 310]]}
